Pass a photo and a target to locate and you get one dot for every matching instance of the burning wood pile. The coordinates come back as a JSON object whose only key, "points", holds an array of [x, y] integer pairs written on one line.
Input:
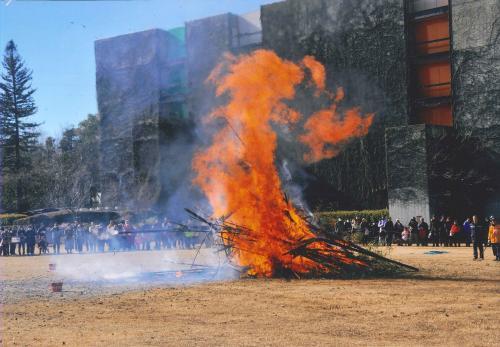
{"points": [[321, 255], [264, 233]]}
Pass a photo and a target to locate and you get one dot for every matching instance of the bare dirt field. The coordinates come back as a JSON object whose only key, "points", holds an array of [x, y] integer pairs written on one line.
{"points": [[452, 301]]}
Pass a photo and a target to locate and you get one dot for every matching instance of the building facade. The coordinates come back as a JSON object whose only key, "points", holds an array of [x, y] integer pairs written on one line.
{"points": [[428, 69]]}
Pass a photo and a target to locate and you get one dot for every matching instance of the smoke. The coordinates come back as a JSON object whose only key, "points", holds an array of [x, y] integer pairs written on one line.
{"points": [[293, 180], [154, 267]]}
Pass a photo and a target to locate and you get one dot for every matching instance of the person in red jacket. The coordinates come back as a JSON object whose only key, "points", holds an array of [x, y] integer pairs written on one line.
{"points": [[455, 234]]}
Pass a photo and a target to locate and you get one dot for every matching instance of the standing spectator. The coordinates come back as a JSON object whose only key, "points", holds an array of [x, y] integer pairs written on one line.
{"points": [[356, 225], [79, 237], [434, 231], [347, 226], [21, 246], [69, 239], [398, 227], [138, 241], [166, 235], [478, 237], [102, 237], [413, 225], [31, 240], [14, 239], [129, 237], [381, 231], [455, 234], [443, 236], [339, 227], [423, 233], [43, 245], [157, 236], [494, 238], [56, 239], [466, 232], [114, 238], [398, 230], [92, 237], [147, 238], [6, 237], [389, 230], [405, 235], [365, 230], [447, 228]]}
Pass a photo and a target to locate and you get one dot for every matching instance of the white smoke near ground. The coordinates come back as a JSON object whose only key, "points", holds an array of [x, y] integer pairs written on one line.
{"points": [[155, 267]]}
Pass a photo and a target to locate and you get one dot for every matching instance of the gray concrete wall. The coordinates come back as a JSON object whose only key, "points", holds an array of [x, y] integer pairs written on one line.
{"points": [[476, 77], [407, 179], [206, 40], [476, 69], [128, 82]]}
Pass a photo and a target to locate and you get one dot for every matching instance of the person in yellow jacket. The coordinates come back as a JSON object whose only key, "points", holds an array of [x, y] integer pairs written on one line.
{"points": [[494, 238]]}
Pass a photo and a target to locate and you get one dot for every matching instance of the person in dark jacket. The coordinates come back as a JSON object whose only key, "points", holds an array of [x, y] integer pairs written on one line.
{"points": [[478, 236], [423, 233], [365, 229], [339, 227], [56, 239], [6, 237], [447, 234], [21, 246], [43, 245], [79, 237], [442, 231], [31, 240], [389, 232], [434, 231], [413, 225], [398, 229], [69, 239]]}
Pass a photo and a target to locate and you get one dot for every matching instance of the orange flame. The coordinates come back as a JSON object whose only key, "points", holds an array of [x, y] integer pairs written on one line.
{"points": [[326, 130], [237, 172]]}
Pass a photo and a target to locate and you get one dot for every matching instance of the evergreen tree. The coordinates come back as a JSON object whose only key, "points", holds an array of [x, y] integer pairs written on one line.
{"points": [[18, 135]]}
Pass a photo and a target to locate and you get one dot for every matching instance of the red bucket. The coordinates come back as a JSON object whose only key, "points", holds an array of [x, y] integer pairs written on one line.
{"points": [[52, 267], [56, 287]]}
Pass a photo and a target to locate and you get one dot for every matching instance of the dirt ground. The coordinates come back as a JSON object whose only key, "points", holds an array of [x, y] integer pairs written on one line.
{"points": [[452, 301]]}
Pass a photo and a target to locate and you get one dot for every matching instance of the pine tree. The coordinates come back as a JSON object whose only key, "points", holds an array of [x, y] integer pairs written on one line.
{"points": [[18, 135]]}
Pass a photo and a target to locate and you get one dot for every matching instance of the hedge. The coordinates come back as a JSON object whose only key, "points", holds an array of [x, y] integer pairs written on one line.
{"points": [[329, 217], [8, 218]]}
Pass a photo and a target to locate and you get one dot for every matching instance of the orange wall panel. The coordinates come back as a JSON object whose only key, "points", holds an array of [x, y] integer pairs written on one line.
{"points": [[439, 115], [434, 28], [434, 73]]}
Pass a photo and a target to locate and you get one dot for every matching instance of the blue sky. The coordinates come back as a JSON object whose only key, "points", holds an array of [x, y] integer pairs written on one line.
{"points": [[56, 40]]}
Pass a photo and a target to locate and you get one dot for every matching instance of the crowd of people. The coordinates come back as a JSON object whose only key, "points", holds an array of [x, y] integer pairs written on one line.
{"points": [[98, 237], [439, 232]]}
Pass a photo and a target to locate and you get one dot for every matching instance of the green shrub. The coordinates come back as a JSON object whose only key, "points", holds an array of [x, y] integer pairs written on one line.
{"points": [[8, 218], [328, 218]]}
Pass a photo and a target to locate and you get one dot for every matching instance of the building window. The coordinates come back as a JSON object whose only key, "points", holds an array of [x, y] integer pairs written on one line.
{"points": [[429, 43]]}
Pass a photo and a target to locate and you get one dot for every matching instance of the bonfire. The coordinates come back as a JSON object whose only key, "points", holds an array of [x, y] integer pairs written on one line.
{"points": [[259, 227]]}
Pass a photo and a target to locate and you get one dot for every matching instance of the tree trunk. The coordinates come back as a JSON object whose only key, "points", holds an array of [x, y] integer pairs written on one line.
{"points": [[17, 147]]}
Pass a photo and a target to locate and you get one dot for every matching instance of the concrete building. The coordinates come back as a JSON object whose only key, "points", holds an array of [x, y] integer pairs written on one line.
{"points": [[429, 69]]}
